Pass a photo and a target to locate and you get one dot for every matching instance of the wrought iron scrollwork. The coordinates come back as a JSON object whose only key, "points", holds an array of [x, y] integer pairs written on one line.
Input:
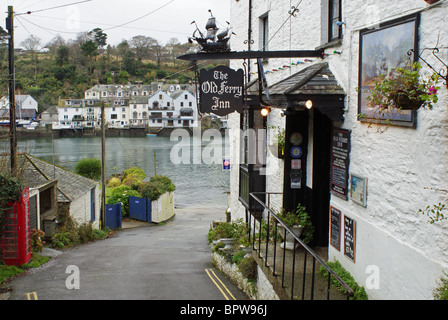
{"points": [[293, 11], [441, 72]]}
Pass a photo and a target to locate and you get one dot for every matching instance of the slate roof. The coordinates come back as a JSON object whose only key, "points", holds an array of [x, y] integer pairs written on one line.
{"points": [[70, 185], [314, 79]]}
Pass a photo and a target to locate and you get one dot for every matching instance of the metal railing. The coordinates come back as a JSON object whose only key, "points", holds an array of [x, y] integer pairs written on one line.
{"points": [[287, 260]]}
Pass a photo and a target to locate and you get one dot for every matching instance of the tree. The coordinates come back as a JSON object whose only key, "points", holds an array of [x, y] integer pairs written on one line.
{"points": [[123, 76], [99, 37], [143, 46], [89, 49], [32, 44], [89, 168], [62, 54]]}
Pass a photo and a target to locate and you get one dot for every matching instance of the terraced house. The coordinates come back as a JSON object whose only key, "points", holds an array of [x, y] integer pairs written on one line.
{"points": [[368, 167], [132, 106]]}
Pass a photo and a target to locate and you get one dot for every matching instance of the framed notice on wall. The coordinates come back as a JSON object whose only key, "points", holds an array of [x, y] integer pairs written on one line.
{"points": [[340, 152], [349, 238], [335, 228], [358, 189]]}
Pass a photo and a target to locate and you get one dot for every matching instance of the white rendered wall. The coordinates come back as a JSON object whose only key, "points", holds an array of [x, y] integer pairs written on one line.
{"points": [[404, 166]]}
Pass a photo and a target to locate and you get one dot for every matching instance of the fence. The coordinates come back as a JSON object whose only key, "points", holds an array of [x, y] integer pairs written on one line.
{"points": [[113, 216], [140, 208], [300, 282]]}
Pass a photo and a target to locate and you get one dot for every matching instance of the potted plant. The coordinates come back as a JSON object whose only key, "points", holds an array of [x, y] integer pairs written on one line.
{"points": [[299, 223], [405, 90]]}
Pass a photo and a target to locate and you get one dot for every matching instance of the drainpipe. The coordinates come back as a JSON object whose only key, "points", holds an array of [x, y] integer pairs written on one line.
{"points": [[249, 37]]}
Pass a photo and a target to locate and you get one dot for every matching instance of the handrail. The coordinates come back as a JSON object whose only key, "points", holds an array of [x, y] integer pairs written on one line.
{"points": [[330, 271]]}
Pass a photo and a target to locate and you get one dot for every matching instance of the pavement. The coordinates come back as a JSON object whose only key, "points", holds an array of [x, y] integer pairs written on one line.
{"points": [[142, 261]]}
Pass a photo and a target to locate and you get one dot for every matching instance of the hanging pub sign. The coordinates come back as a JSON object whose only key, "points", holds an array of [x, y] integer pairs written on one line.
{"points": [[221, 90], [340, 151]]}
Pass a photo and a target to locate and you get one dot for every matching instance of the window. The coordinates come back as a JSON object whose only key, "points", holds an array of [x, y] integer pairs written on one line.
{"points": [[252, 153], [334, 16], [113, 116], [264, 33]]}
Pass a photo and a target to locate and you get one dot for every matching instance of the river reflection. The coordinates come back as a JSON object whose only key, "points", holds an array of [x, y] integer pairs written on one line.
{"points": [[196, 184]]}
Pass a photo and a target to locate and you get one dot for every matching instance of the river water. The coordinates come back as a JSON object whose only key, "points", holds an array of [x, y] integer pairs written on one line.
{"points": [[197, 182]]}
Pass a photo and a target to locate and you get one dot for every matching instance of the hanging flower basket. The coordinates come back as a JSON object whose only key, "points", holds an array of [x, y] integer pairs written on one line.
{"points": [[404, 101], [405, 89]]}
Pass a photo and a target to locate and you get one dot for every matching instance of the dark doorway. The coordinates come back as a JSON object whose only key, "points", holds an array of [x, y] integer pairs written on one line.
{"points": [[322, 127], [314, 189]]}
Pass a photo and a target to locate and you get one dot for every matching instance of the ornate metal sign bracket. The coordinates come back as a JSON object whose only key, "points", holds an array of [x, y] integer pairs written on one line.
{"points": [[442, 72]]}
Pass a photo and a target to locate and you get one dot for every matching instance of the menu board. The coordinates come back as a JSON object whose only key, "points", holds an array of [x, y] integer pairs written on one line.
{"points": [[349, 238], [340, 150], [335, 228]]}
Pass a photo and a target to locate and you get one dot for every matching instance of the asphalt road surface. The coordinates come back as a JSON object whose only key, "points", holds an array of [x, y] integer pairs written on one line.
{"points": [[151, 262]]}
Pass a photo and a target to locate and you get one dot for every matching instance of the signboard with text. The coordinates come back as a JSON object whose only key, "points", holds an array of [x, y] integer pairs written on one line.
{"points": [[221, 90], [340, 152]]}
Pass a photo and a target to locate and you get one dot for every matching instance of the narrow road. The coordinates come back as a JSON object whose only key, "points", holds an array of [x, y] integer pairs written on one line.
{"points": [[153, 262]]}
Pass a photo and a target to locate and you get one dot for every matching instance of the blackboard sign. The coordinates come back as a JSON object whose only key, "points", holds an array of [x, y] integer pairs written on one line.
{"points": [[335, 228], [340, 151], [221, 90], [349, 238]]}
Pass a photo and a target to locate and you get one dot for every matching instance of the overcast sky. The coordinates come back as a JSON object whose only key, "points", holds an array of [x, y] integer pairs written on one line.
{"points": [[120, 19]]}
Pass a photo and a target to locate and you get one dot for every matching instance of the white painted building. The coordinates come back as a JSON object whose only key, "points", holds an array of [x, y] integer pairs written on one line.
{"points": [[172, 107], [26, 107], [396, 254]]}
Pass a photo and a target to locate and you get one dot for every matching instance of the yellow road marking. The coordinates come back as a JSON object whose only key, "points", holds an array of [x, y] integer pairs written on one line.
{"points": [[29, 294], [210, 273]]}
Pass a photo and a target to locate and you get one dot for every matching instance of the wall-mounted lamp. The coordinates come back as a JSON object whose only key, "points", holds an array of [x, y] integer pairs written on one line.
{"points": [[340, 23], [265, 111], [308, 104]]}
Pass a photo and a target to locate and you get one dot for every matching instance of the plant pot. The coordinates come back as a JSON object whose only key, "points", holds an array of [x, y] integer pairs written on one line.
{"points": [[228, 242], [431, 1], [289, 241], [404, 102]]}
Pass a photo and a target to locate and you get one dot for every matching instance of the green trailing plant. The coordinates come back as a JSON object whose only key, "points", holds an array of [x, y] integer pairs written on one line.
{"points": [[248, 267], [405, 89], [441, 292], [89, 168], [359, 292]]}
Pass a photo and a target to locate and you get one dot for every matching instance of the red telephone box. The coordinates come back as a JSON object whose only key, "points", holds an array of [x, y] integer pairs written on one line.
{"points": [[15, 239]]}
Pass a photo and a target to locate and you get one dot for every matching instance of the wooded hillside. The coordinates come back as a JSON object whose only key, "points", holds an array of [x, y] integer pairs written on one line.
{"points": [[66, 68]]}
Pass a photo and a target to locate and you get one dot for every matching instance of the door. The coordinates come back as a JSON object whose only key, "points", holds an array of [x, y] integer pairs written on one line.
{"points": [[322, 127], [307, 171], [92, 204]]}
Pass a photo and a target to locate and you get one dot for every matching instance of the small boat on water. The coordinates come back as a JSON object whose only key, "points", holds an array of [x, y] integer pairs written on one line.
{"points": [[151, 135]]}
